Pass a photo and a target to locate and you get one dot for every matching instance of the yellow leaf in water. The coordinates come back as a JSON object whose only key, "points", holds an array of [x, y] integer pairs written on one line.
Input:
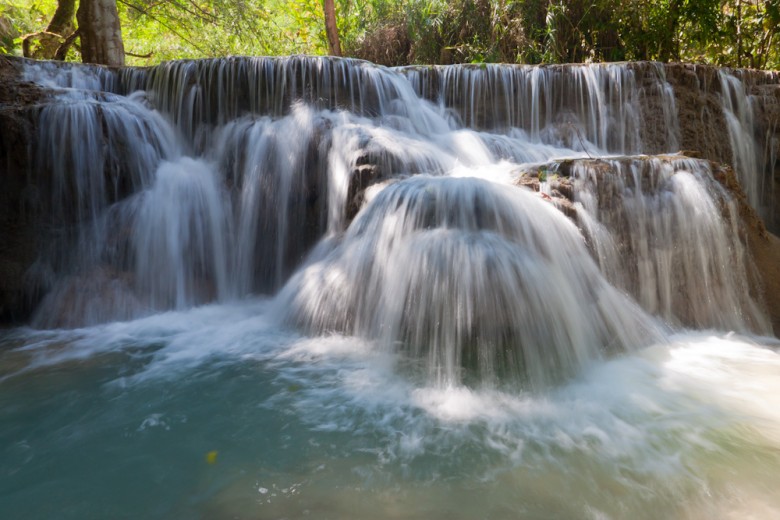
{"points": [[211, 457]]}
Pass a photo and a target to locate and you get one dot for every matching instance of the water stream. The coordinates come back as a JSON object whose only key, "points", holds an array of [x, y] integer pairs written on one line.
{"points": [[301, 287]]}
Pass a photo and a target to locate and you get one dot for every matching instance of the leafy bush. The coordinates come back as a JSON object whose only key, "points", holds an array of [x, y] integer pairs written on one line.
{"points": [[723, 32]]}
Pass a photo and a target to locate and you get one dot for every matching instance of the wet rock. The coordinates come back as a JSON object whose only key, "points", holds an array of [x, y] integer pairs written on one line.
{"points": [[19, 199], [363, 176], [670, 230], [89, 298]]}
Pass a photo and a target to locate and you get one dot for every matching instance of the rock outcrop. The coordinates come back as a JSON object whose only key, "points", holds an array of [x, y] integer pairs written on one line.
{"points": [[636, 199], [19, 226]]}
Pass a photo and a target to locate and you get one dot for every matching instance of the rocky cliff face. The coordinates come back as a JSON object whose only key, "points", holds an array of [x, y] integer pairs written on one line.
{"points": [[19, 223], [709, 106], [635, 108], [652, 224]]}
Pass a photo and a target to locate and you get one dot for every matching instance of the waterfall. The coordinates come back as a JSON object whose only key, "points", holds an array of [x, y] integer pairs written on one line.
{"points": [[95, 150], [52, 74], [214, 92], [574, 105], [738, 110], [664, 230], [180, 237], [468, 275], [753, 154], [380, 203], [316, 287]]}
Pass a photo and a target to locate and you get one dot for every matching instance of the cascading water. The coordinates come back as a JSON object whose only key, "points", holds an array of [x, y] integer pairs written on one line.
{"points": [[118, 146], [469, 275], [638, 211], [738, 110], [752, 155], [317, 287], [570, 105]]}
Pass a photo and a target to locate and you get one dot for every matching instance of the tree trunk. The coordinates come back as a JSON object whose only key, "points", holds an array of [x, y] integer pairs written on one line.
{"points": [[100, 33], [739, 33], [331, 28], [62, 21], [50, 40], [670, 44]]}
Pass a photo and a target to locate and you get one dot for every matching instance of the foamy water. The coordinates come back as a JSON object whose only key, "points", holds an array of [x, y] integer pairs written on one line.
{"points": [[337, 427]]}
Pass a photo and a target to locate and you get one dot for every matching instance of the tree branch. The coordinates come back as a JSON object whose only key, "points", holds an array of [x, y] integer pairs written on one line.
{"points": [[174, 31], [62, 50], [147, 55]]}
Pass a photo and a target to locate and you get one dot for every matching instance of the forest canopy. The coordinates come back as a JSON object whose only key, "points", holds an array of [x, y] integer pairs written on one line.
{"points": [[737, 33]]}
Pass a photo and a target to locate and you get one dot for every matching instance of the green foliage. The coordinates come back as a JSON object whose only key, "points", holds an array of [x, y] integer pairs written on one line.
{"points": [[724, 32], [155, 30], [208, 28], [20, 17]]}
